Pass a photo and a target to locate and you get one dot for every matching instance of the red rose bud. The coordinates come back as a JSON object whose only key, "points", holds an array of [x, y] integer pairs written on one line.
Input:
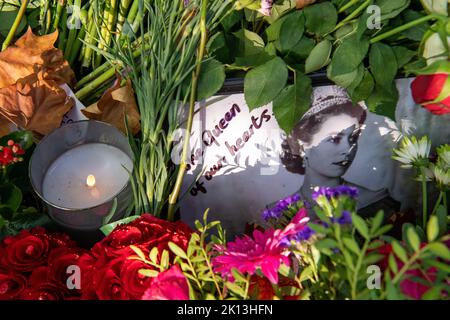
{"points": [[432, 92], [12, 284]]}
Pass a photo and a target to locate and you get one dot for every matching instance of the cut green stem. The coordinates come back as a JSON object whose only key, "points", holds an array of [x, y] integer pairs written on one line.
{"points": [[402, 28], [12, 31], [59, 9], [424, 198], [352, 15], [193, 97]]}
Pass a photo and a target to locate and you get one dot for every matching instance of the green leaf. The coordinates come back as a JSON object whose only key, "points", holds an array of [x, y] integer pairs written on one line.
{"points": [[390, 9], [249, 43], [392, 292], [301, 51], [377, 222], [413, 239], [403, 55], [326, 243], [318, 228], [211, 79], [10, 197], [319, 56], [383, 230], [348, 260], [279, 9], [347, 79], [138, 251], [432, 228], [352, 245], [349, 55], [441, 214], [177, 250], [254, 60], [293, 102], [373, 258], [237, 275], [440, 250], [383, 64], [111, 212], [383, 101], [154, 255], [434, 293], [392, 264], [7, 19], [263, 84], [306, 274], [321, 18], [148, 273], [399, 251], [415, 33], [235, 288], [165, 259], [273, 31], [360, 225], [291, 31], [231, 19], [108, 228]]}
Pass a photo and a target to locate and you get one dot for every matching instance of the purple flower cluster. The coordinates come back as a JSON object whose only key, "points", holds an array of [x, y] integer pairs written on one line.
{"points": [[335, 192], [281, 206], [303, 235], [345, 218]]}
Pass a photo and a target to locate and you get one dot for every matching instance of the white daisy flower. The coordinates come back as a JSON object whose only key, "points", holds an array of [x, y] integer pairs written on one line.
{"points": [[413, 152], [442, 177], [429, 173]]}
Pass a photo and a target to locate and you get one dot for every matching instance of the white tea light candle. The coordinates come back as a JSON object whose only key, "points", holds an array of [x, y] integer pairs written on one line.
{"points": [[86, 176]]}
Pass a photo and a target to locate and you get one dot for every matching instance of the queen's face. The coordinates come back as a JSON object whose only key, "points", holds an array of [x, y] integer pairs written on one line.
{"points": [[333, 147]]}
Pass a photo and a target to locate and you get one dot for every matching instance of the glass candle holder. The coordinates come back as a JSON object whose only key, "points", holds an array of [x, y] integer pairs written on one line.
{"points": [[81, 172]]}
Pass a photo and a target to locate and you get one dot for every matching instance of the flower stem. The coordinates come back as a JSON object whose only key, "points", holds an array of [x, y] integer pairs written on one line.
{"points": [[348, 5], [353, 14], [59, 8], [15, 25], [87, 90], [401, 28], [438, 201], [195, 75], [424, 197]]}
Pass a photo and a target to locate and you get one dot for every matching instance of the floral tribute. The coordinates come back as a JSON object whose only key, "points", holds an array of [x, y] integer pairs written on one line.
{"points": [[109, 273], [33, 266]]}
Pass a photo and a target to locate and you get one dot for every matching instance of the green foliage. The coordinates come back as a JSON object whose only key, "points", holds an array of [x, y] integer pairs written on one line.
{"points": [[17, 203]]}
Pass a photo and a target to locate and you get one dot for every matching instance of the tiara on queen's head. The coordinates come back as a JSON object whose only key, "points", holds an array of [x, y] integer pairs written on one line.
{"points": [[326, 97]]}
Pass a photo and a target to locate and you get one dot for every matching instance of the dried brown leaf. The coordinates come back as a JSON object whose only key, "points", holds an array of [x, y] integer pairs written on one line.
{"points": [[35, 104], [113, 105], [33, 54]]}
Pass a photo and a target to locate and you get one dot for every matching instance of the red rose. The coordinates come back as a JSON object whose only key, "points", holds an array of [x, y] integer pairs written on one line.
{"points": [[432, 92], [12, 284], [39, 276], [108, 284], [46, 291], [107, 273], [134, 283], [25, 251], [59, 260]]}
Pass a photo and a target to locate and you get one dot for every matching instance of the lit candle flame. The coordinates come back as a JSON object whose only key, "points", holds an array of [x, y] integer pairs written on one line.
{"points": [[90, 180]]}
